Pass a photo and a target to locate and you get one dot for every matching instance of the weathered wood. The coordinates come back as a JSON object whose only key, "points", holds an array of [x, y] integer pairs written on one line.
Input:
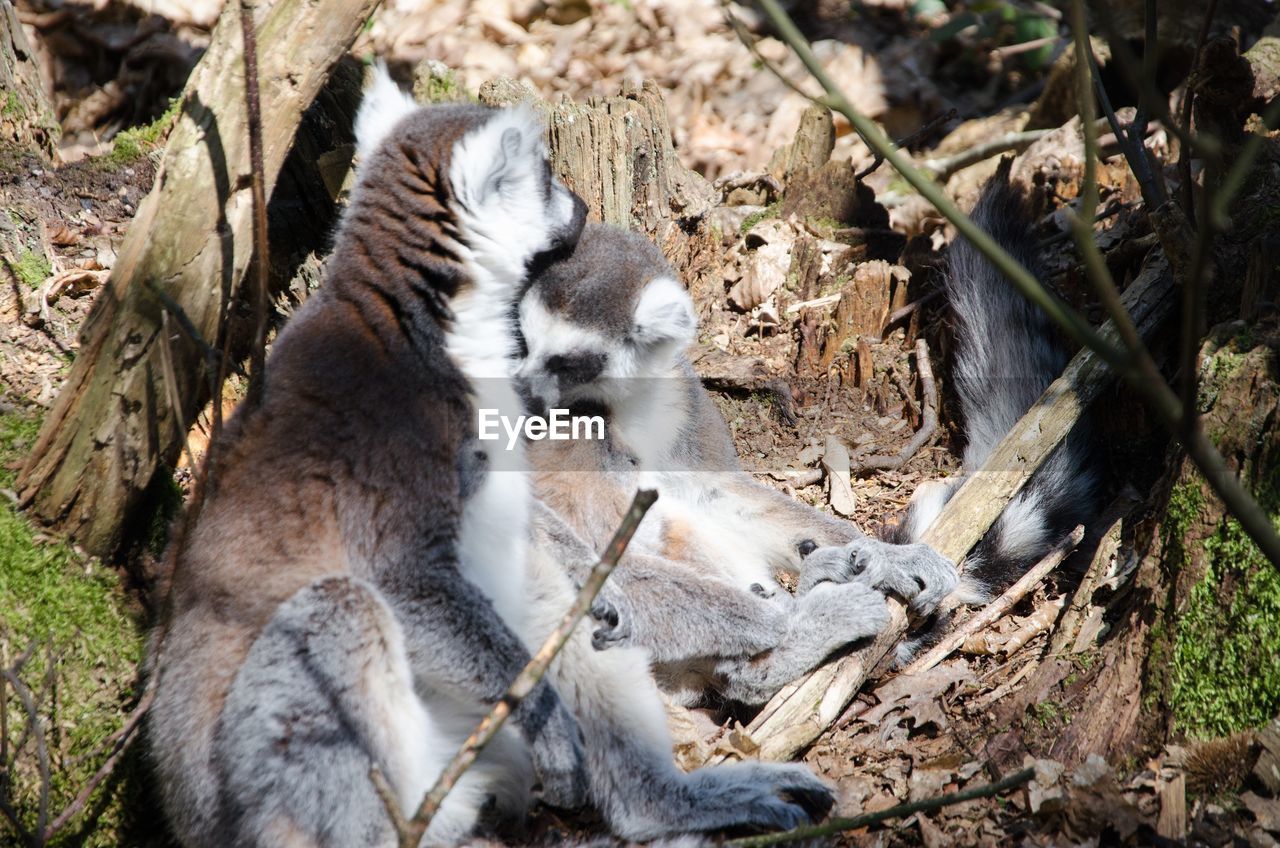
{"points": [[111, 427], [26, 118], [800, 713], [616, 153], [811, 146]]}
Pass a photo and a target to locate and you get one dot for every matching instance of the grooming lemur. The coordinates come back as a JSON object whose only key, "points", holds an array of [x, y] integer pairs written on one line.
{"points": [[606, 331], [355, 591], [1006, 355]]}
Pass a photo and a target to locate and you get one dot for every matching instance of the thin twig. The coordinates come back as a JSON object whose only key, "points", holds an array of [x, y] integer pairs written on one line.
{"points": [[930, 126], [532, 674], [906, 311], [925, 805], [257, 354], [997, 609], [117, 743], [928, 423], [1187, 189], [943, 167]]}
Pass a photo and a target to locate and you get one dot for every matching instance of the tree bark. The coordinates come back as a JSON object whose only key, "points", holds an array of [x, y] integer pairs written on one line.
{"points": [[113, 428], [616, 153], [26, 118]]}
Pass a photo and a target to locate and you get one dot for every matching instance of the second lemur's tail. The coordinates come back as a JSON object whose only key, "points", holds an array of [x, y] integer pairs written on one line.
{"points": [[1006, 355]]}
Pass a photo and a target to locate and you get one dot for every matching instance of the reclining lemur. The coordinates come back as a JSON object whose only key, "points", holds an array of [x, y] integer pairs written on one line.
{"points": [[357, 589], [605, 331]]}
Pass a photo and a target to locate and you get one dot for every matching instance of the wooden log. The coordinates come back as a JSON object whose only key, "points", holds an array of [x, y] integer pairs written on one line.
{"points": [[803, 711], [26, 117], [112, 426]]}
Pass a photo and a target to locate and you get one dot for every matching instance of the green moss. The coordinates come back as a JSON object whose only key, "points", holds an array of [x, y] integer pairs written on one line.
{"points": [[132, 144], [12, 107], [32, 269], [1048, 714], [770, 211], [74, 611], [435, 83], [1225, 669]]}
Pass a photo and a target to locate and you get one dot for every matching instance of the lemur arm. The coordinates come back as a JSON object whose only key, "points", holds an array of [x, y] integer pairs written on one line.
{"points": [[662, 605], [457, 642], [821, 622]]}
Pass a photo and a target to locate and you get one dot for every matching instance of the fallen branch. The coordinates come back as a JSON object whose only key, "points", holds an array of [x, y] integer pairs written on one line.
{"points": [[901, 811], [928, 423], [943, 167], [411, 831], [803, 711], [999, 608]]}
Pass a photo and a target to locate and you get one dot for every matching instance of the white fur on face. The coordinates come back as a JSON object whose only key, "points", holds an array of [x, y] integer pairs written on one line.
{"points": [[546, 335], [384, 106]]}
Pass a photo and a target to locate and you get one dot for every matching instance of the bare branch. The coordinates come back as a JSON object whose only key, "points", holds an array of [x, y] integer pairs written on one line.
{"points": [[998, 608], [925, 805], [928, 423]]}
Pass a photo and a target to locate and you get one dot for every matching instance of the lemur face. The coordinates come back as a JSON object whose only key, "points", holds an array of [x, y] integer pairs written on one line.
{"points": [[601, 322]]}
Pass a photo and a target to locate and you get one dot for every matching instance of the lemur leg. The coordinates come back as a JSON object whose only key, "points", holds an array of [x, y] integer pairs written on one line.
{"points": [[916, 572], [663, 606], [324, 694], [634, 782], [822, 621]]}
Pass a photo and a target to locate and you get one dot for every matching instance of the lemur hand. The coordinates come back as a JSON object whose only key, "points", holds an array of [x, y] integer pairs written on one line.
{"points": [[916, 572], [615, 623]]}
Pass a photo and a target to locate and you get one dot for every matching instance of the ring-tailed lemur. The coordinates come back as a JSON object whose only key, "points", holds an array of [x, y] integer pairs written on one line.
{"points": [[355, 591], [1006, 355], [606, 331]]}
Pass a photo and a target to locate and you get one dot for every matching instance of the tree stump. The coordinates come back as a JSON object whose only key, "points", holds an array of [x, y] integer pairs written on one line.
{"points": [[113, 426], [616, 152], [26, 118]]}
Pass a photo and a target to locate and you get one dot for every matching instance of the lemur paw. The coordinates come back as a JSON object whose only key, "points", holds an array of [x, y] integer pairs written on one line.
{"points": [[916, 572], [852, 611], [615, 628]]}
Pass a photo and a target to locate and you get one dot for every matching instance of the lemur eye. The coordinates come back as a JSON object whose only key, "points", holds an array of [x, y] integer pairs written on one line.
{"points": [[806, 547], [574, 369]]}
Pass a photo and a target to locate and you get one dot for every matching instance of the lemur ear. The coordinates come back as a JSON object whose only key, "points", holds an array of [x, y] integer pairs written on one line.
{"points": [[664, 315], [383, 106], [505, 150]]}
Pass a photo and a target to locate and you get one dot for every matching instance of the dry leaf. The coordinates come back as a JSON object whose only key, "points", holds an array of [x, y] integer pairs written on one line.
{"points": [[835, 459]]}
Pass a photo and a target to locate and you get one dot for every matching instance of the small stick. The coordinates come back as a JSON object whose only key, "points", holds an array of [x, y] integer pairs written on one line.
{"points": [[943, 167], [901, 811], [906, 311], [528, 678], [928, 423], [258, 192], [121, 740], [998, 608]]}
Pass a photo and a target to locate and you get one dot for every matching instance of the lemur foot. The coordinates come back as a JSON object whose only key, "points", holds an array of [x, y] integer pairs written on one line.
{"points": [[916, 572], [769, 796], [615, 628]]}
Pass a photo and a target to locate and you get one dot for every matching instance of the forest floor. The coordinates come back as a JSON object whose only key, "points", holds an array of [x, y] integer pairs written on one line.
{"points": [[1005, 701]]}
